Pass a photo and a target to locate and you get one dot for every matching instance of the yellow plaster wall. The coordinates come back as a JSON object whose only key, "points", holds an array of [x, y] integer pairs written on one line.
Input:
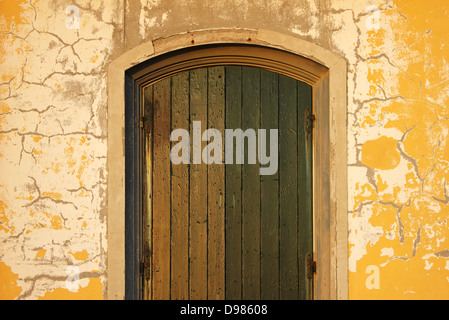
{"points": [[399, 222], [53, 139]]}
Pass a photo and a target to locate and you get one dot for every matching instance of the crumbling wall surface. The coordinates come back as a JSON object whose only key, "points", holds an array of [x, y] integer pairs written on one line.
{"points": [[53, 139], [398, 101], [53, 147]]}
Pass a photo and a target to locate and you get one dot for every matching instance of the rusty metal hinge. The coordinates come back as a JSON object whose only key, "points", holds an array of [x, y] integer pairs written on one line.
{"points": [[311, 266], [144, 124], [310, 120]]}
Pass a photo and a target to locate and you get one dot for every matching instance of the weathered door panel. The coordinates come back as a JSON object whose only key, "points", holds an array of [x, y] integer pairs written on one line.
{"points": [[223, 231]]}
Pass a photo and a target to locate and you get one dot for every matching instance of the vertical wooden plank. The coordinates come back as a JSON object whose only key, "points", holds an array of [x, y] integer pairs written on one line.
{"points": [[233, 192], [250, 187], [269, 190], [148, 185], [180, 195], [288, 188], [198, 190], [216, 187], [304, 188], [161, 188]]}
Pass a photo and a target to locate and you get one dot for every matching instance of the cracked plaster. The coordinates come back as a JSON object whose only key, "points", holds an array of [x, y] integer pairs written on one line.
{"points": [[53, 134], [53, 138]]}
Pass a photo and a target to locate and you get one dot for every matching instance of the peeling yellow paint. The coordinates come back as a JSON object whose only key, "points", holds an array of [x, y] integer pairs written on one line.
{"points": [[85, 162], [436, 180], [37, 152], [80, 255], [93, 291], [12, 12], [4, 108], [8, 283], [56, 222], [53, 195], [15, 16], [381, 153], [41, 253], [428, 25], [43, 219], [399, 278], [398, 89], [365, 192], [37, 139], [407, 114], [5, 218], [407, 94]]}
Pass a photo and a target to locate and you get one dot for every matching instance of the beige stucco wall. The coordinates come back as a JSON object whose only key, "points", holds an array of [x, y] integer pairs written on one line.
{"points": [[54, 137]]}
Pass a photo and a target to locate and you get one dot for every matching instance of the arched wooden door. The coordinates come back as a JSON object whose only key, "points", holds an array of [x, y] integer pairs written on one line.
{"points": [[228, 230]]}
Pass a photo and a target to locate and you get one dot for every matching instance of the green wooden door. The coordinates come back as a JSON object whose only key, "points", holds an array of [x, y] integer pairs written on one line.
{"points": [[224, 230]]}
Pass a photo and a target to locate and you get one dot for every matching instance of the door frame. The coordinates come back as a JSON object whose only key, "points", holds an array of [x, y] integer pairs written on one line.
{"points": [[281, 53]]}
